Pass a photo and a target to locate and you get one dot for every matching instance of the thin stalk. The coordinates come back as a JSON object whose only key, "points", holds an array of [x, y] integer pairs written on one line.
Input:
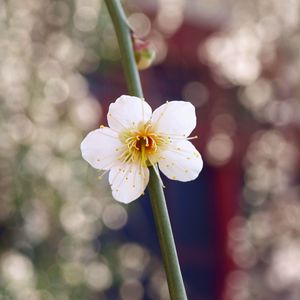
{"points": [[125, 44], [160, 211], [166, 240]]}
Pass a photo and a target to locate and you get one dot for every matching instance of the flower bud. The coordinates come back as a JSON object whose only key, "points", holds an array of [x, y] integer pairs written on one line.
{"points": [[144, 53]]}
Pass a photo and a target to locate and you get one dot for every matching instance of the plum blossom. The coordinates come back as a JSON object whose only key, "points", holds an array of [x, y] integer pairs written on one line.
{"points": [[136, 138]]}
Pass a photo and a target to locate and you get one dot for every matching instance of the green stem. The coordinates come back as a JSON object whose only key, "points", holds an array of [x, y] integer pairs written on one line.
{"points": [[125, 44], [160, 211], [166, 240]]}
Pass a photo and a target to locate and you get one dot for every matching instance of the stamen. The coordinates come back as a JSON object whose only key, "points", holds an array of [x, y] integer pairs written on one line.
{"points": [[143, 156], [101, 175], [141, 143], [192, 137], [177, 136], [148, 126]]}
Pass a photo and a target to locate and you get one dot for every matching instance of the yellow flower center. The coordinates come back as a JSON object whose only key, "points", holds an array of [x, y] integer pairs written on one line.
{"points": [[142, 145]]}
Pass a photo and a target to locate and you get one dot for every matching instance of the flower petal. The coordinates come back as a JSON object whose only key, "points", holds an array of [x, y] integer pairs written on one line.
{"points": [[128, 182], [181, 161], [101, 148], [174, 118], [128, 111]]}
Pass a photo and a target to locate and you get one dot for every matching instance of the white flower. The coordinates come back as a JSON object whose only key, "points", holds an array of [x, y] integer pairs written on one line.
{"points": [[137, 138]]}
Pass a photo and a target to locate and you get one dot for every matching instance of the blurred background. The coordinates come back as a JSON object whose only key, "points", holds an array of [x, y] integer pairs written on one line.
{"points": [[237, 227]]}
